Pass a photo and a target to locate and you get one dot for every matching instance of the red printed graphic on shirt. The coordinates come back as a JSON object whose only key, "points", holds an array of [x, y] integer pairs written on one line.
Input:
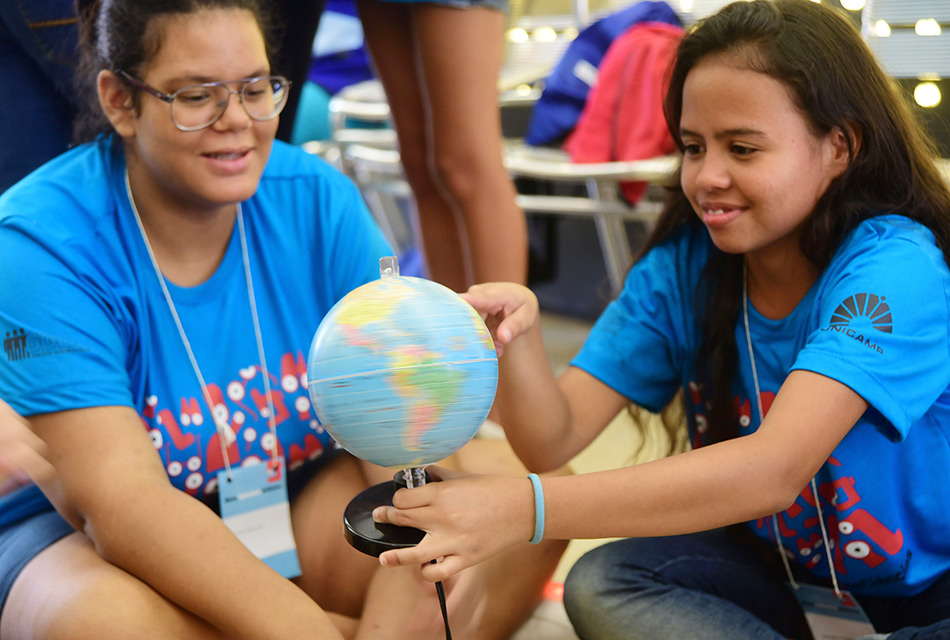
{"points": [[184, 432], [859, 540]]}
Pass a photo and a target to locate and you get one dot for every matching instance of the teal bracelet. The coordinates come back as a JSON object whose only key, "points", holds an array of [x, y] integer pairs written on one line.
{"points": [[538, 508]]}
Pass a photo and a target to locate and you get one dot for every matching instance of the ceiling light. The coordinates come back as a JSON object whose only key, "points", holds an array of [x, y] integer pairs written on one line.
{"points": [[517, 35], [927, 94], [927, 27], [544, 34]]}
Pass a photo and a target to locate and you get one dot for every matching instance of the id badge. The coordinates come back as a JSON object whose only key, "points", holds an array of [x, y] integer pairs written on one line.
{"points": [[830, 617], [254, 506]]}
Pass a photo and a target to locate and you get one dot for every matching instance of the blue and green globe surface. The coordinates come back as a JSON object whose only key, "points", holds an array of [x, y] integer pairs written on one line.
{"points": [[402, 372]]}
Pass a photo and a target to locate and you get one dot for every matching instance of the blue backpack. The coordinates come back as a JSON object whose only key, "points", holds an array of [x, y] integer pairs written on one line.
{"points": [[565, 91]]}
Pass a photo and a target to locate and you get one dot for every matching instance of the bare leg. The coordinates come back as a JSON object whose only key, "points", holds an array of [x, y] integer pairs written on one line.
{"points": [[334, 574], [439, 67], [387, 30], [461, 53], [69, 591]]}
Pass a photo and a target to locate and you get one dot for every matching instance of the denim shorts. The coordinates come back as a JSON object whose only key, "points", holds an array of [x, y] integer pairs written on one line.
{"points": [[498, 5], [22, 541], [724, 583]]}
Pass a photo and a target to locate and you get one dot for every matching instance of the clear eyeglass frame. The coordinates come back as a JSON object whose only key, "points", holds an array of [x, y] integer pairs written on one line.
{"points": [[222, 92]]}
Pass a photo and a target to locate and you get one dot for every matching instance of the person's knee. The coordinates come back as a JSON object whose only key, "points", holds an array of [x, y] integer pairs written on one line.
{"points": [[606, 576], [584, 584], [418, 170], [458, 171], [111, 609], [69, 591]]}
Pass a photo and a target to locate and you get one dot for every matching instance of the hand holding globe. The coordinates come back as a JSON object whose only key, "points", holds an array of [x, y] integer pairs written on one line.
{"points": [[402, 372]]}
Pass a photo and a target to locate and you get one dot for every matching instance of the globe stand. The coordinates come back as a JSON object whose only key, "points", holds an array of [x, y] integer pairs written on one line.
{"points": [[373, 538]]}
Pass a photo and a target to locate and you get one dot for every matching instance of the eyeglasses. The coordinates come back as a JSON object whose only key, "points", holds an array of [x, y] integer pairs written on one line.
{"points": [[201, 105]]}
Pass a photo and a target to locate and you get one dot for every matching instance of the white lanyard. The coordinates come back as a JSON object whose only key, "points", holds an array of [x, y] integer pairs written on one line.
{"points": [[224, 438], [814, 488]]}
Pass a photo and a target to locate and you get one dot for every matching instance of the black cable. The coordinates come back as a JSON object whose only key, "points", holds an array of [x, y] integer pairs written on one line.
{"points": [[445, 613]]}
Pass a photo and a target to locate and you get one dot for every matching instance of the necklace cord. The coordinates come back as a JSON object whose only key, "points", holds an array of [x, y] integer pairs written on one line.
{"points": [[224, 437], [258, 337], [814, 487]]}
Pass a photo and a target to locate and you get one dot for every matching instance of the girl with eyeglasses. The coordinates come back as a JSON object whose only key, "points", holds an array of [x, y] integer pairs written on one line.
{"points": [[794, 303], [162, 284]]}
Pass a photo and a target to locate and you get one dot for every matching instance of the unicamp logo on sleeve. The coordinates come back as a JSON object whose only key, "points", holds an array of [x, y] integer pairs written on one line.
{"points": [[20, 345], [859, 316]]}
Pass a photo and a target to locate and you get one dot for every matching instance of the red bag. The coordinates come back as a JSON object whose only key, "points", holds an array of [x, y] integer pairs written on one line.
{"points": [[623, 116]]}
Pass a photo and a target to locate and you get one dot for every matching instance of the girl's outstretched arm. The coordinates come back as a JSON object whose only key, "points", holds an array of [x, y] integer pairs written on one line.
{"points": [[547, 420], [471, 518]]}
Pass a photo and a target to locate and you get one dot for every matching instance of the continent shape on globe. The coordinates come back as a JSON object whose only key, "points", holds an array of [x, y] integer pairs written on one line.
{"points": [[402, 372]]}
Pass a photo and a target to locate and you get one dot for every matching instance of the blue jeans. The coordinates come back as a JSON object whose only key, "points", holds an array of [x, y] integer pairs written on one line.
{"points": [[38, 53], [716, 585]]}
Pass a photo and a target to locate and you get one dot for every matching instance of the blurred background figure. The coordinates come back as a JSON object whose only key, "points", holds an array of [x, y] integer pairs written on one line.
{"points": [[297, 24], [38, 42], [338, 59], [38, 53], [439, 64]]}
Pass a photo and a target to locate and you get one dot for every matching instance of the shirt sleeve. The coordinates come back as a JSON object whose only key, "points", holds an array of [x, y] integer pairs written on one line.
{"points": [[640, 344], [65, 347], [884, 328]]}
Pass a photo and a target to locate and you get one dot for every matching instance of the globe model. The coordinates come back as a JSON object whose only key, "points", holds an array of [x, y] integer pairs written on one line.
{"points": [[402, 372]]}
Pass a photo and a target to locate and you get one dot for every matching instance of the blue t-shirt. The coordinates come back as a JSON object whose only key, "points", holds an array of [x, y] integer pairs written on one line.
{"points": [[85, 322], [876, 320]]}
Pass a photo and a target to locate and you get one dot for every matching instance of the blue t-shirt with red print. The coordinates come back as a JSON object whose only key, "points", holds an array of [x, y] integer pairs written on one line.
{"points": [[877, 320], [86, 323]]}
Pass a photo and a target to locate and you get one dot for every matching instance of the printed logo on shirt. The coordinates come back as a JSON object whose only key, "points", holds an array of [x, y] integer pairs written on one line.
{"points": [[20, 345], [859, 313]]}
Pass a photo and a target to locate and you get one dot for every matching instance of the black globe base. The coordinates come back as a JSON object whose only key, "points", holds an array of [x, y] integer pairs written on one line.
{"points": [[370, 537]]}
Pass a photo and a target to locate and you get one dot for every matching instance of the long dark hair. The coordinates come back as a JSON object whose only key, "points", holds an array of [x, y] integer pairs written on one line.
{"points": [[123, 34], [836, 83]]}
